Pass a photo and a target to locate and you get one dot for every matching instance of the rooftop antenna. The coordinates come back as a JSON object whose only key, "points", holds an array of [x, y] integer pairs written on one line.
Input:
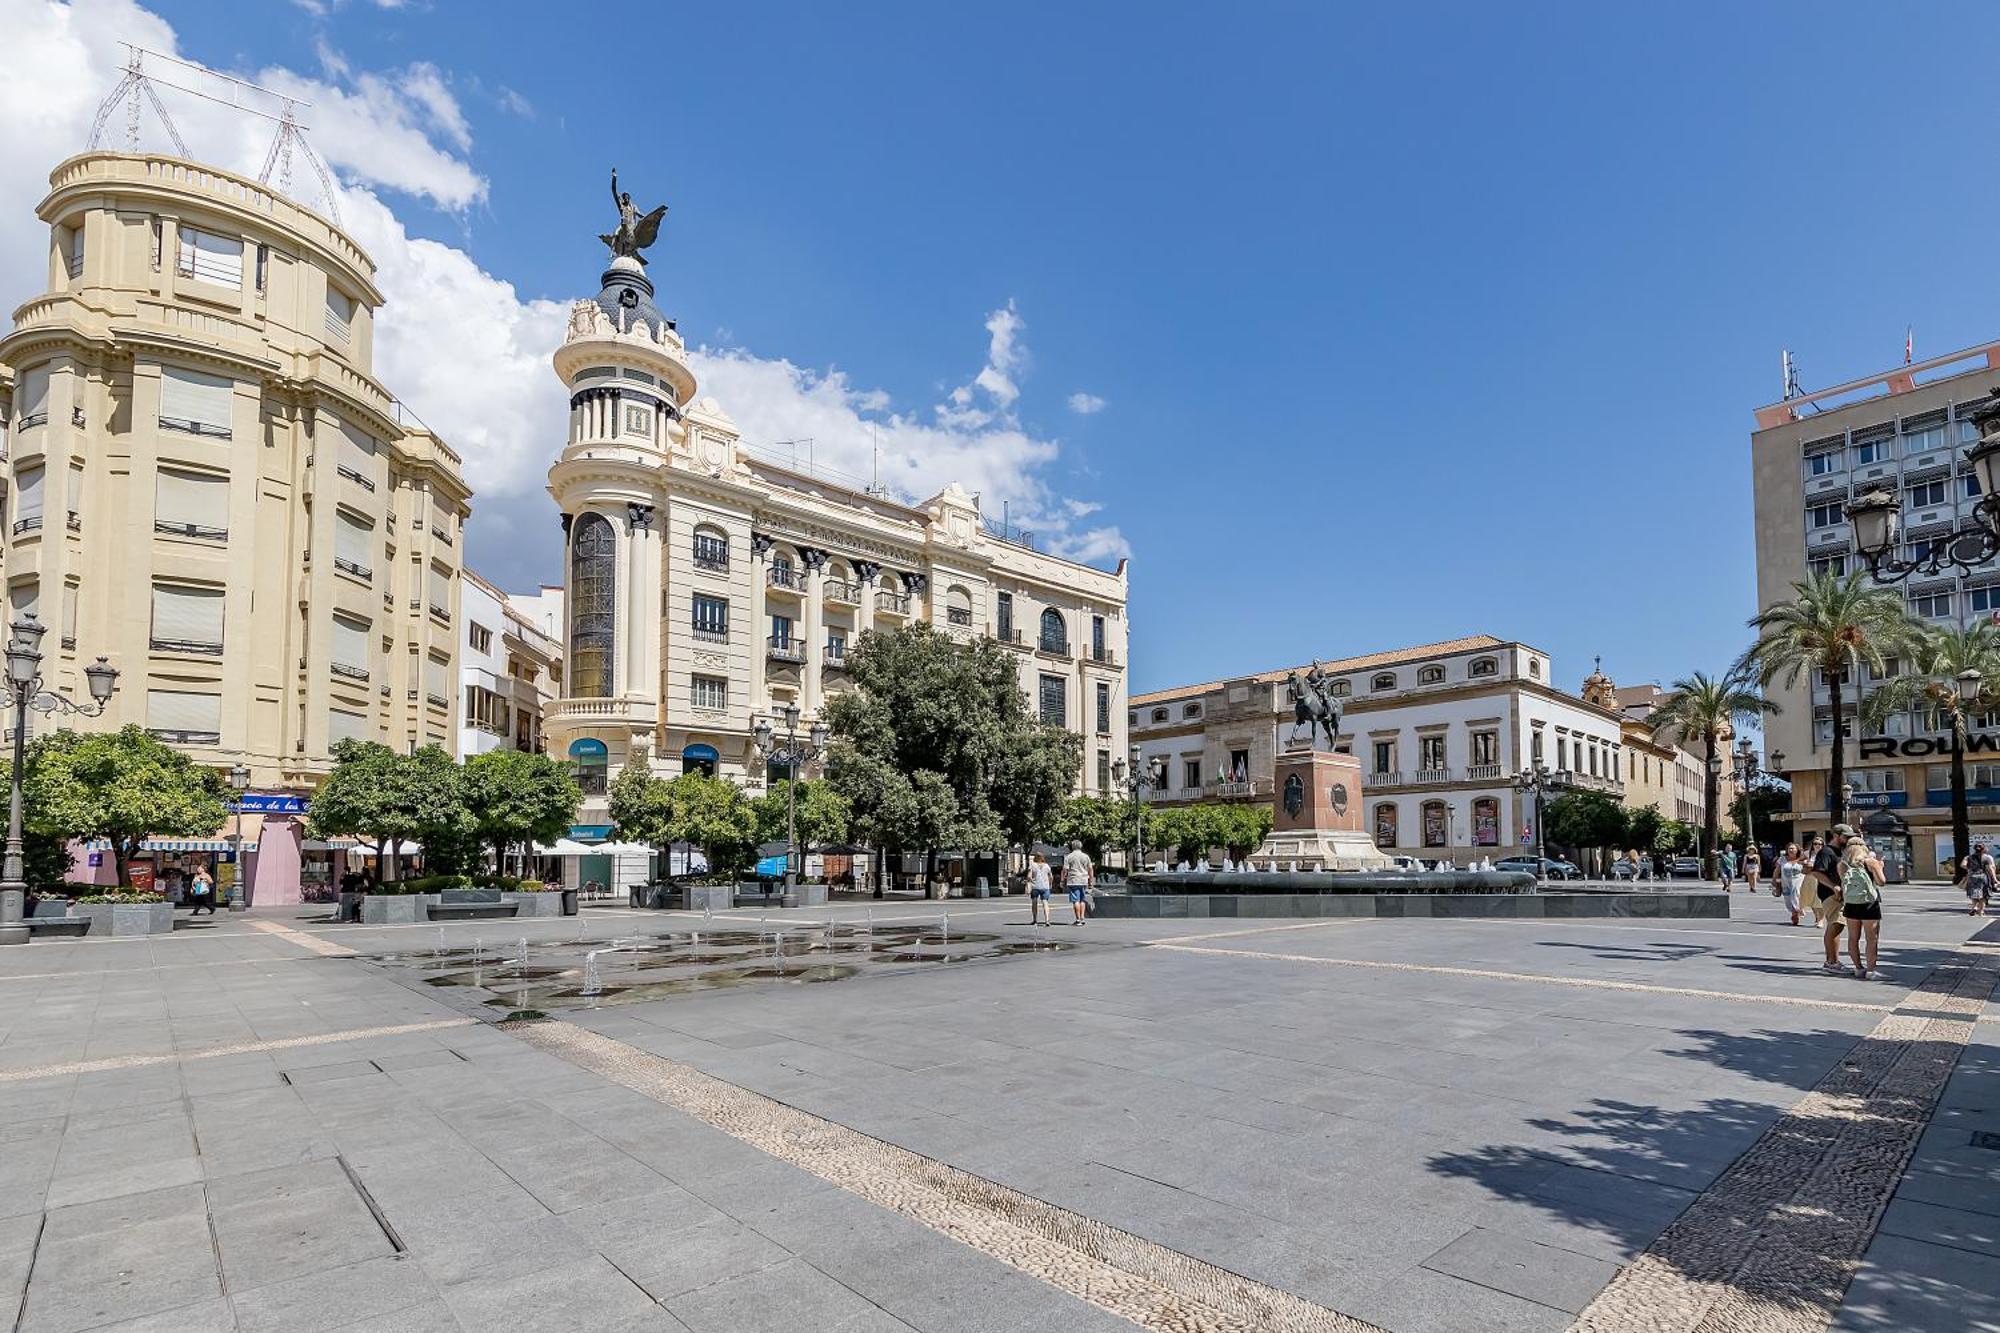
{"points": [[1791, 370], [224, 90], [875, 486]]}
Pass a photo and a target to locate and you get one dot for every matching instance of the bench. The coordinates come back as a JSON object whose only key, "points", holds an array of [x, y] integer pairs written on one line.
{"points": [[472, 911], [53, 918]]}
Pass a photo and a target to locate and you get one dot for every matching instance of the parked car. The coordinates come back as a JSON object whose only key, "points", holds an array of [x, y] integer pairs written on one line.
{"points": [[1551, 867], [1684, 867], [1623, 868], [1407, 863]]}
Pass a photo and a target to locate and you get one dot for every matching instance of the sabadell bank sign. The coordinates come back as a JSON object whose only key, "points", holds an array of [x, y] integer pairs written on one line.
{"points": [[1926, 747]]}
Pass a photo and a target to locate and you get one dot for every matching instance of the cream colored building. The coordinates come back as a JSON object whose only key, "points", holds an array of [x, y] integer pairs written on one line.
{"points": [[707, 587], [510, 669], [208, 486]]}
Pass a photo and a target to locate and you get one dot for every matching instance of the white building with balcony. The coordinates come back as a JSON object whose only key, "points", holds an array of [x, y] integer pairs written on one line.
{"points": [[708, 586], [1440, 729], [510, 668]]}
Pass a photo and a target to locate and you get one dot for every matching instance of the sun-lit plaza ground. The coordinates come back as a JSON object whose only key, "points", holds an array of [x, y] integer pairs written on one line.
{"points": [[878, 1119]]}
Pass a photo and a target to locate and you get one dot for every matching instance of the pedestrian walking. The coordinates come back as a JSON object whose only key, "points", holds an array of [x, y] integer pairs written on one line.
{"points": [[1725, 865], [1078, 876], [1039, 884], [1979, 879], [1791, 874], [1861, 881], [1753, 865], [1824, 873], [201, 890]]}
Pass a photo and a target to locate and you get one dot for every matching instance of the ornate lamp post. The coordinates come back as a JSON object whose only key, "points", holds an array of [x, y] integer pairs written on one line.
{"points": [[1535, 781], [1746, 774], [792, 753], [24, 691], [239, 780], [1877, 517], [1969, 681], [1134, 779]]}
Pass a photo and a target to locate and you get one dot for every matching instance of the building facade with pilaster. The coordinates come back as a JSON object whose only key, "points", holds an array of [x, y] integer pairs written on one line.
{"points": [[707, 587]]}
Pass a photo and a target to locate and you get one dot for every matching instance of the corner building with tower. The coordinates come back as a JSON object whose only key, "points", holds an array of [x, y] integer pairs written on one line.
{"points": [[707, 588]]}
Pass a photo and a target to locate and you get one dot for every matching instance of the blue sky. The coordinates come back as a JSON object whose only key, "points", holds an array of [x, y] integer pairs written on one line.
{"points": [[1407, 324]]}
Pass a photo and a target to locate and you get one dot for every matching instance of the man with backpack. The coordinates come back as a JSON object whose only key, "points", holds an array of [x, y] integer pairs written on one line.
{"points": [[1824, 875]]}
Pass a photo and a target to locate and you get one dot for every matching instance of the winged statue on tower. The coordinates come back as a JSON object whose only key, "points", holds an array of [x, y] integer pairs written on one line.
{"points": [[635, 231]]}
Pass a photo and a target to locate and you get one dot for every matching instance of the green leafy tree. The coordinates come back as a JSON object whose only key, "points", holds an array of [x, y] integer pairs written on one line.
{"points": [[1241, 827], [1836, 624], [822, 814], [1580, 819], [120, 786], [642, 808], [936, 747], [714, 815], [517, 797], [1643, 828], [1703, 710], [1675, 837], [387, 799], [1098, 822]]}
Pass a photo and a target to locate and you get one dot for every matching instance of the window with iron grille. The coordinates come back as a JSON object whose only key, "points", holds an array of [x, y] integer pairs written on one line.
{"points": [[711, 616], [1054, 701]]}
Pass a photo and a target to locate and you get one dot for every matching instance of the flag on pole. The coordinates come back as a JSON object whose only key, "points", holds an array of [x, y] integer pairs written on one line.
{"points": [[1909, 343]]}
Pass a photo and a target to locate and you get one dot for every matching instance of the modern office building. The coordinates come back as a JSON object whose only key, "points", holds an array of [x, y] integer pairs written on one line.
{"points": [[1441, 731], [510, 667], [1905, 431], [207, 486], [708, 587]]}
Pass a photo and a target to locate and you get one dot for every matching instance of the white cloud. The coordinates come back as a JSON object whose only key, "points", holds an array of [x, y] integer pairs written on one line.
{"points": [[465, 350], [1085, 404], [513, 102]]}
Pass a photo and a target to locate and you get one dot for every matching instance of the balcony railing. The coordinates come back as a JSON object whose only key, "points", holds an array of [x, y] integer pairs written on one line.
{"points": [[895, 603], [1482, 772], [1102, 655], [359, 571], [784, 576], [441, 613], [785, 650], [75, 521], [713, 563], [1238, 790], [174, 736], [351, 672], [836, 655], [187, 646], [194, 530], [1382, 777], [959, 616], [365, 483], [32, 523], [1052, 646], [1430, 776], [839, 590]]}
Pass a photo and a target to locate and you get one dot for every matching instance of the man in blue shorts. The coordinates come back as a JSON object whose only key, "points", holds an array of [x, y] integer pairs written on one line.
{"points": [[1078, 876]]}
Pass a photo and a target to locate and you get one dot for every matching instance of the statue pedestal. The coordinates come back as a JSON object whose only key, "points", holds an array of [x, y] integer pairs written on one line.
{"points": [[1318, 821]]}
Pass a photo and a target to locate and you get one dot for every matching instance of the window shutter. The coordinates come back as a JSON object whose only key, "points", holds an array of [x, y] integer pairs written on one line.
{"points": [[75, 490], [342, 725], [185, 614], [28, 493], [440, 517], [357, 450], [27, 598], [210, 258], [350, 642], [434, 682], [339, 315], [31, 398], [353, 540], [180, 710], [69, 612], [440, 589], [194, 401], [192, 499]]}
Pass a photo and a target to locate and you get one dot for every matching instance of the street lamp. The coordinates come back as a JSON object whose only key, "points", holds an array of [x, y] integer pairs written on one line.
{"points": [[1969, 681], [239, 780], [1135, 779], [1535, 781], [1711, 854], [792, 753], [1746, 774], [24, 691], [1877, 516]]}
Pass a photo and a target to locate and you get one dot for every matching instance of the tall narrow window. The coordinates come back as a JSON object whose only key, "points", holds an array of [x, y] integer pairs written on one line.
{"points": [[263, 267], [75, 255], [1055, 635], [193, 402], [1003, 615], [339, 315], [1103, 706], [345, 725], [711, 617], [350, 646], [69, 615], [75, 495], [353, 544], [440, 589], [184, 717], [1054, 701], [191, 504], [187, 618], [593, 597], [357, 455], [28, 498], [1097, 637], [436, 687], [206, 257], [26, 599], [593, 764], [31, 398]]}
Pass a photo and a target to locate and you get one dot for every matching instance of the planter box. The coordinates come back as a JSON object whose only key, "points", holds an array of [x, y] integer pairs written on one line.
{"points": [[811, 895], [533, 904], [128, 919], [396, 909]]}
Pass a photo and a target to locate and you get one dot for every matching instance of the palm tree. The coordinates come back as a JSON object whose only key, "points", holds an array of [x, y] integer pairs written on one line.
{"points": [[1705, 709], [1834, 624], [1955, 671]]}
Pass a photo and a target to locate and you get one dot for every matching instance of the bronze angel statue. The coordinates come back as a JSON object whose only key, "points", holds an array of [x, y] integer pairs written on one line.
{"points": [[634, 232]]}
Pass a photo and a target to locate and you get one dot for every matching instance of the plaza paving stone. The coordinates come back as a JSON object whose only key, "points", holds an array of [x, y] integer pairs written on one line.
{"points": [[1412, 1125]]}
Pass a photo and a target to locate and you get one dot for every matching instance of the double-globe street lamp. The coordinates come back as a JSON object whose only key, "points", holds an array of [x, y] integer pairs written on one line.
{"points": [[1133, 779], [1535, 781], [792, 754], [239, 782], [24, 691], [1746, 777]]}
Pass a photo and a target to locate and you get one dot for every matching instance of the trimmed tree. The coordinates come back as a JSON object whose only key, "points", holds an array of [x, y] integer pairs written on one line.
{"points": [[387, 799], [121, 787], [517, 797], [822, 814], [714, 815], [1581, 819]]}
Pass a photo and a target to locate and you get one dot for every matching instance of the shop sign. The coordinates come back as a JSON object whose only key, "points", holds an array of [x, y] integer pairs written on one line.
{"points": [[1924, 747], [270, 803], [1872, 800]]}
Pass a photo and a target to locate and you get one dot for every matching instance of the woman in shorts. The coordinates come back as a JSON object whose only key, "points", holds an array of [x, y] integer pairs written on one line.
{"points": [[1861, 903]]}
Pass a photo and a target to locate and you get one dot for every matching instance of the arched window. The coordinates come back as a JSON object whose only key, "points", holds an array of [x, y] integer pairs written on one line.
{"points": [[1437, 824], [699, 759], [1342, 688], [593, 606], [1385, 824], [1535, 667], [1190, 710], [1484, 666], [1486, 822], [1159, 715], [1055, 634], [1385, 681], [593, 765], [711, 548], [958, 606], [1430, 675]]}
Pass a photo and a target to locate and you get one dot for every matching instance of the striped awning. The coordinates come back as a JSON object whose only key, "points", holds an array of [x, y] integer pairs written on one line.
{"points": [[179, 845]]}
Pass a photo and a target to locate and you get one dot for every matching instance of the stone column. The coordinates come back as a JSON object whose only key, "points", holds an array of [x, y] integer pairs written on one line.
{"points": [[760, 628], [864, 617], [811, 675]]}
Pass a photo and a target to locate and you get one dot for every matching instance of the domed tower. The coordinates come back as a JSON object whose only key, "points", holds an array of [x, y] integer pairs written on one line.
{"points": [[626, 370]]}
